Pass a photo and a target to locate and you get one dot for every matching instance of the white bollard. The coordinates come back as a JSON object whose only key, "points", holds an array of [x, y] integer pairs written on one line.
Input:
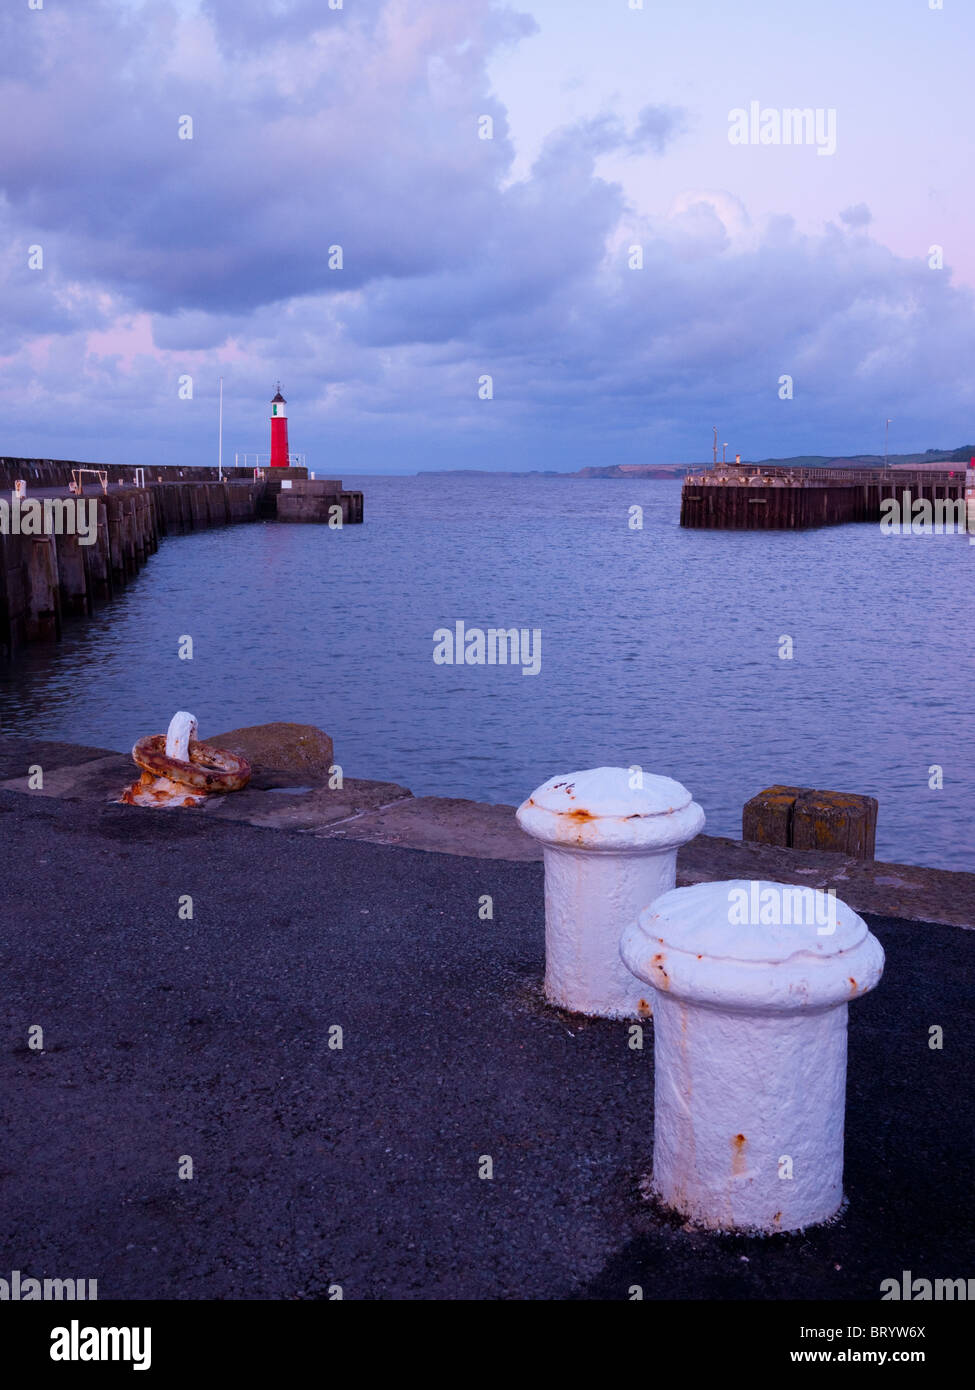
{"points": [[163, 791], [182, 730], [751, 984], [609, 838]]}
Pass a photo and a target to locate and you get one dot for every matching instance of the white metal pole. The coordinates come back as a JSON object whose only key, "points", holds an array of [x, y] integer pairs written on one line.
{"points": [[220, 444]]}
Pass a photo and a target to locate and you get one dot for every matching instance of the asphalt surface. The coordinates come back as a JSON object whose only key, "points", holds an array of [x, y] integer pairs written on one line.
{"points": [[313, 1166]]}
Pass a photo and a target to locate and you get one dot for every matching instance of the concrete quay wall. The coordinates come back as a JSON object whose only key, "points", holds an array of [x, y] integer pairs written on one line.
{"points": [[314, 500], [749, 506], [388, 814]]}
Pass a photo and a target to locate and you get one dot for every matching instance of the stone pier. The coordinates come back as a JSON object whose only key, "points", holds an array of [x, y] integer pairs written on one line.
{"points": [[44, 578]]}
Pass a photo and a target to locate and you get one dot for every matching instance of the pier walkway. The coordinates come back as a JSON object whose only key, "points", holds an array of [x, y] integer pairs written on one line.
{"points": [[315, 1167]]}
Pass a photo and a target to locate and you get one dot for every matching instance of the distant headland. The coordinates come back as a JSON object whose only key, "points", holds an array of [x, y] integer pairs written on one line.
{"points": [[929, 458]]}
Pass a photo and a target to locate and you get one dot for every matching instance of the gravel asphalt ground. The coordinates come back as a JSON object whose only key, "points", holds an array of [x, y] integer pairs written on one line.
{"points": [[167, 1037]]}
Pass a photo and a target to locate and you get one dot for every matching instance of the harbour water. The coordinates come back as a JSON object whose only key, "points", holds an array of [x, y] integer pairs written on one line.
{"points": [[659, 647]]}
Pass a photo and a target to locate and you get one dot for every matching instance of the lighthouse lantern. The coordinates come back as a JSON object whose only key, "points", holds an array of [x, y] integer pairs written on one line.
{"points": [[279, 431]]}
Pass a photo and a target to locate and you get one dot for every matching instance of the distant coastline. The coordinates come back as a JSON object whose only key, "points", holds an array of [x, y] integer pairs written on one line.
{"points": [[669, 471]]}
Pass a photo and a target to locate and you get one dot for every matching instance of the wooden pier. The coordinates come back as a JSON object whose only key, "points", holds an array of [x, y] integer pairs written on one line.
{"points": [[739, 498]]}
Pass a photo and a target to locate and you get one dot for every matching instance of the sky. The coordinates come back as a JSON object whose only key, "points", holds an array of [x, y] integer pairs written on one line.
{"points": [[466, 234]]}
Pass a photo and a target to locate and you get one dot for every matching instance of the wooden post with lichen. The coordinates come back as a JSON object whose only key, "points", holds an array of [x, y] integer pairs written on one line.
{"points": [[767, 818], [838, 822], [804, 819]]}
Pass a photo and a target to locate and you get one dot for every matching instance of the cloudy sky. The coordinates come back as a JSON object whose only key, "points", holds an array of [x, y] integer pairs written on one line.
{"points": [[134, 259]]}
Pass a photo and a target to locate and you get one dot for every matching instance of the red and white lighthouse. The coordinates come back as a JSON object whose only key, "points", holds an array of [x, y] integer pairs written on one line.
{"points": [[279, 431]]}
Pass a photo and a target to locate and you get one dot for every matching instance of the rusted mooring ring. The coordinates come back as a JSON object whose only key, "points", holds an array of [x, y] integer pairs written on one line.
{"points": [[209, 769]]}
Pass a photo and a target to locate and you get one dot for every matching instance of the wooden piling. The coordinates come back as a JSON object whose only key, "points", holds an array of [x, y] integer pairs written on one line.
{"points": [[72, 575], [43, 613]]}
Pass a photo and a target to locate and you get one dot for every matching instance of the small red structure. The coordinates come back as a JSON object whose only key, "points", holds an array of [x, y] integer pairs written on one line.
{"points": [[279, 431]]}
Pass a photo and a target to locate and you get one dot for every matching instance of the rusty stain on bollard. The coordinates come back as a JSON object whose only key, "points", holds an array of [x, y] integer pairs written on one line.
{"points": [[178, 770]]}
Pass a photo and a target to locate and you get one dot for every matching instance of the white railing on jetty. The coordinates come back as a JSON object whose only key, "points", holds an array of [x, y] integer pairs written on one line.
{"points": [[264, 460]]}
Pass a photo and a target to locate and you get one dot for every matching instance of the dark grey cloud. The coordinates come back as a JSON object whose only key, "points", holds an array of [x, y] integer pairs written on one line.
{"points": [[858, 215], [336, 130], [243, 24], [360, 128], [656, 127]]}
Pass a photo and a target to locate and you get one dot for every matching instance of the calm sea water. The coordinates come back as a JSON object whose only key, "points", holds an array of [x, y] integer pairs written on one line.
{"points": [[659, 647]]}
